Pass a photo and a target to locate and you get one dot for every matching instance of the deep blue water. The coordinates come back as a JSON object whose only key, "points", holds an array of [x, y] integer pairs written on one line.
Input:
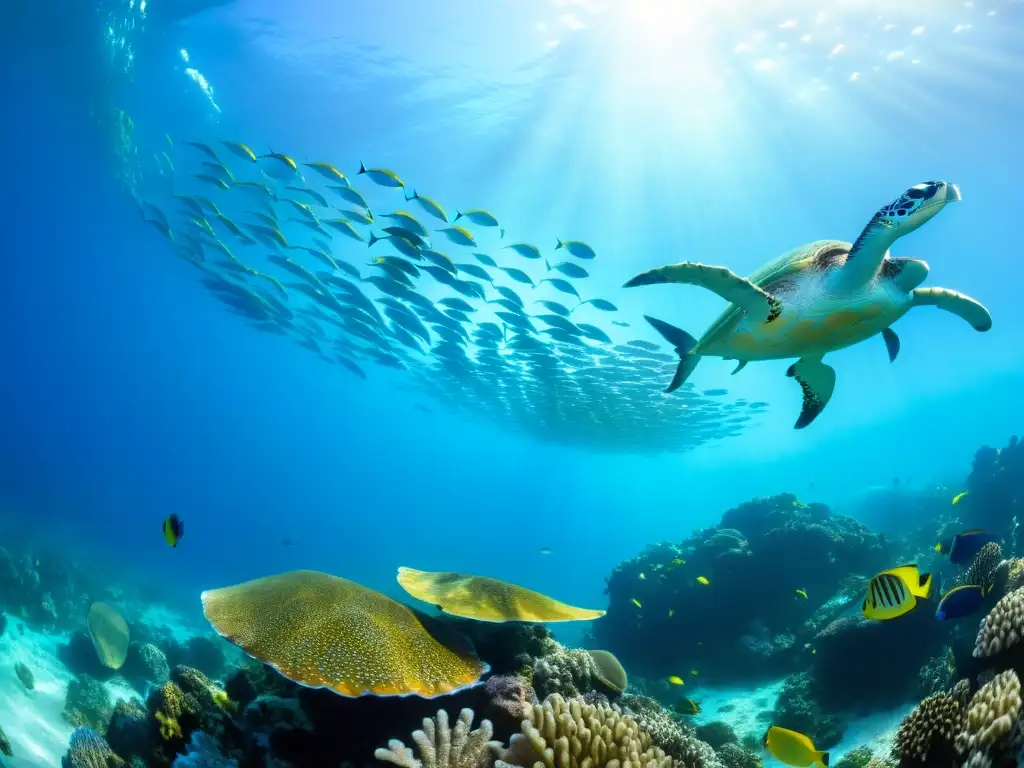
{"points": [[128, 393]]}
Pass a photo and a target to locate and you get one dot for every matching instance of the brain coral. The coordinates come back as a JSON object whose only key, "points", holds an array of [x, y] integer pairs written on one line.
{"points": [[926, 735], [1003, 626], [573, 734], [993, 716], [327, 632], [440, 746]]}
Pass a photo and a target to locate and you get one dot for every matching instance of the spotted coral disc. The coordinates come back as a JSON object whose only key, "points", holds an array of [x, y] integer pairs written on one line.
{"points": [[323, 631], [109, 634], [486, 599]]}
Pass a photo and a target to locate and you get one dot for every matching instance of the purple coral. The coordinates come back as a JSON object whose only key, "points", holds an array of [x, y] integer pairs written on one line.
{"points": [[509, 700]]}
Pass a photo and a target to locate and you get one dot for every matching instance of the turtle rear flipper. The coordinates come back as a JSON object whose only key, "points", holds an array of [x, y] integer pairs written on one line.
{"points": [[817, 381], [959, 304], [683, 343], [752, 299]]}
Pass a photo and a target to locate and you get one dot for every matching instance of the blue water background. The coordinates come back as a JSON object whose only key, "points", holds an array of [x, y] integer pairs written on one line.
{"points": [[128, 393]]}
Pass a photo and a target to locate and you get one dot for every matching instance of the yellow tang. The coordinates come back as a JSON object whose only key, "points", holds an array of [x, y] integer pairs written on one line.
{"points": [[893, 593], [959, 497], [794, 748], [703, 580], [802, 593], [486, 599], [635, 602], [676, 680]]}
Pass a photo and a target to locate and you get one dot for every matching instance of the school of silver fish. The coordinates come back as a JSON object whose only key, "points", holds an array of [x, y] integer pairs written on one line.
{"points": [[484, 325]]}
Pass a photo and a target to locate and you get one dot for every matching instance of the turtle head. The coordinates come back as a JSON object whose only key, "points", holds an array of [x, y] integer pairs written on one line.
{"points": [[915, 206]]}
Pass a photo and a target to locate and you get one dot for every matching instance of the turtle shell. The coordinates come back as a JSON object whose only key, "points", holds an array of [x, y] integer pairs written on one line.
{"points": [[818, 256]]}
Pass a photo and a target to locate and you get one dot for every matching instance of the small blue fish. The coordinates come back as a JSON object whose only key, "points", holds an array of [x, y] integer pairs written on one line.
{"points": [[960, 602]]}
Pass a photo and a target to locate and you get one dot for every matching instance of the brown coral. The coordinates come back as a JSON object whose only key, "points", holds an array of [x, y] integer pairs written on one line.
{"points": [[927, 734], [573, 734], [982, 570], [1003, 627], [676, 739], [440, 746], [992, 724]]}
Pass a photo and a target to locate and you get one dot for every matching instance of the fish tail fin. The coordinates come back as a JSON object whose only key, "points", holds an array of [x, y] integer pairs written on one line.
{"points": [[373, 239], [458, 215], [362, 168], [547, 265], [559, 242], [925, 586], [683, 344], [823, 758]]}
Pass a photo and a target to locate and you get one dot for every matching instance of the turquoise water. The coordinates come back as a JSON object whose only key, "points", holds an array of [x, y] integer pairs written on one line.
{"points": [[720, 132]]}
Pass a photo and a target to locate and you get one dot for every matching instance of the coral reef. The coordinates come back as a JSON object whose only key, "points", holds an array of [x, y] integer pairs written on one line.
{"points": [[734, 756], [982, 570], [145, 664], [996, 487], [441, 746], [569, 672], [798, 709], [1003, 627], [567, 734], [509, 700], [674, 738], [717, 734], [203, 752], [89, 750], [855, 758], [992, 730], [132, 731], [750, 564], [926, 736], [5, 744], [87, 704]]}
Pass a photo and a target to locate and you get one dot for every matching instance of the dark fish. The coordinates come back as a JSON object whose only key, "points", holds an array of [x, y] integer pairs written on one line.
{"points": [[174, 529], [518, 275], [483, 258], [686, 707], [561, 285], [960, 602], [964, 547], [554, 306], [716, 392]]}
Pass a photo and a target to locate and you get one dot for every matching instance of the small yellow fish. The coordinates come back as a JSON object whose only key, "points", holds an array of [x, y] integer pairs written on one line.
{"points": [[794, 748], [694, 672], [700, 642], [676, 680], [671, 612], [642, 577], [802, 593], [703, 580], [959, 497], [635, 602]]}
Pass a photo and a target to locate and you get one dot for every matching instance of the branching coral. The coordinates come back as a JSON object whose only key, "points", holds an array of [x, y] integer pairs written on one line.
{"points": [[573, 734], [992, 725], [440, 746], [926, 735], [1003, 627]]}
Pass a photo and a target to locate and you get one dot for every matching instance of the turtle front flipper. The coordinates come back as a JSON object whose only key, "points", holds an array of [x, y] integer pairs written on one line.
{"points": [[972, 311], [817, 381], [910, 210], [753, 300], [892, 343]]}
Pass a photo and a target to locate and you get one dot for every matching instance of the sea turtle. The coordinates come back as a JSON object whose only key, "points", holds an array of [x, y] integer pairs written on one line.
{"points": [[818, 298]]}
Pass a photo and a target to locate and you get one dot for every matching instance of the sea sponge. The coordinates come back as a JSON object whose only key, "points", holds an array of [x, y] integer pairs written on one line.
{"points": [[487, 599], [1003, 627], [327, 632], [88, 749], [982, 570], [993, 715], [927, 734], [109, 634], [573, 734], [440, 746]]}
